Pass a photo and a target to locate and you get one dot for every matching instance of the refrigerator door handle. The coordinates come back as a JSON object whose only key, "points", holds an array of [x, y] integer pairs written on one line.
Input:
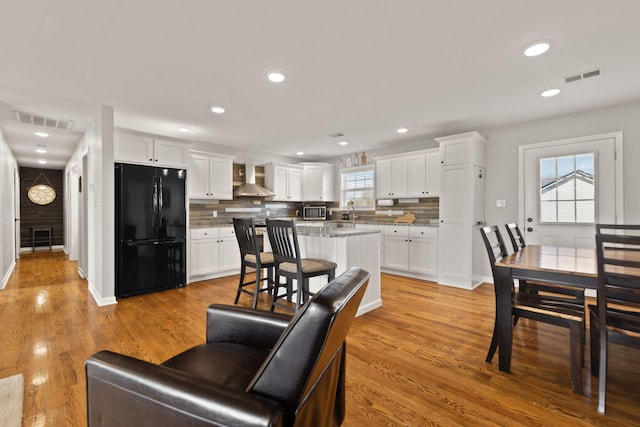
{"points": [[155, 202], [160, 195]]}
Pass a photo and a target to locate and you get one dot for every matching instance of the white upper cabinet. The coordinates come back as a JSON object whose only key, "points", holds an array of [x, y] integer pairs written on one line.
{"points": [[460, 149], [408, 175], [149, 151], [317, 182], [210, 176], [285, 181], [391, 177], [423, 169]]}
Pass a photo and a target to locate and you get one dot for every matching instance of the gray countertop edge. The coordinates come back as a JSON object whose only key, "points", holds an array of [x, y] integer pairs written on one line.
{"points": [[301, 223]]}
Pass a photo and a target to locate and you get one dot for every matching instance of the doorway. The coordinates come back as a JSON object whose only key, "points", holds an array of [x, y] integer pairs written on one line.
{"points": [[568, 186], [16, 211]]}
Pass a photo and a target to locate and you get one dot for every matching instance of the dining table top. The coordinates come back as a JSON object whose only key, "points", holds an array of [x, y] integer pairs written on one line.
{"points": [[576, 261]]}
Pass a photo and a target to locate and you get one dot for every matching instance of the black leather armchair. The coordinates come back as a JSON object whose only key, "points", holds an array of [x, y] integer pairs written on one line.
{"points": [[256, 369]]}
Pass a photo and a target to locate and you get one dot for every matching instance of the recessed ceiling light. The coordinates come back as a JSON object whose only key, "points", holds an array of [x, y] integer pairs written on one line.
{"points": [[218, 110], [537, 48], [42, 134], [42, 162], [343, 143], [184, 129], [276, 76], [41, 150], [300, 153], [549, 93], [402, 130]]}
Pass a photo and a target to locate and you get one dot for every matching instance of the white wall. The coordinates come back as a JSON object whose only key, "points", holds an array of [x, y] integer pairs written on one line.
{"points": [[97, 143], [7, 208], [502, 154]]}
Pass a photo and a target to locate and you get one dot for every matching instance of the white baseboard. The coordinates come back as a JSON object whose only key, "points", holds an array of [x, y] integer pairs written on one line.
{"points": [[99, 300], [368, 307], [29, 249], [5, 279]]}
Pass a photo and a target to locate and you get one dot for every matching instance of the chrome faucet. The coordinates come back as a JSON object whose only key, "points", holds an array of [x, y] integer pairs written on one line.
{"points": [[353, 214]]}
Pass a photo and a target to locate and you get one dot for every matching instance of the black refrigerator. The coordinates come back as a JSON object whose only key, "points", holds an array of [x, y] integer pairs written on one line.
{"points": [[151, 226]]}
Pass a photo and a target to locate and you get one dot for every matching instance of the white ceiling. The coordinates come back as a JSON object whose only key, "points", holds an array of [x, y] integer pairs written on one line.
{"points": [[363, 67]]}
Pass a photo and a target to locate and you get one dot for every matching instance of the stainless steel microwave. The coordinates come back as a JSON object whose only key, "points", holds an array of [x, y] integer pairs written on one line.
{"points": [[314, 213]]}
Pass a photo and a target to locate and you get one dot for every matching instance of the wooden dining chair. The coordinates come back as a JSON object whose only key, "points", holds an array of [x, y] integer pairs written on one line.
{"points": [[252, 257], [616, 316], [283, 238], [556, 310], [517, 241]]}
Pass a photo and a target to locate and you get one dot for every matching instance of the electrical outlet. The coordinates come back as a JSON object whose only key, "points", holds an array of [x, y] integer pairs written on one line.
{"points": [[215, 214], [501, 203], [268, 212]]}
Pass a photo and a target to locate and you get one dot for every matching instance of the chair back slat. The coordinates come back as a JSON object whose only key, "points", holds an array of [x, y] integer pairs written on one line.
{"points": [[517, 240], [618, 229], [284, 240], [245, 230], [619, 271], [494, 244]]}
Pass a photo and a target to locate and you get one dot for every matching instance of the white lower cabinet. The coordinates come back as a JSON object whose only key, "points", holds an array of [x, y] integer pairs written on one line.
{"points": [[412, 250], [423, 251], [214, 252]]}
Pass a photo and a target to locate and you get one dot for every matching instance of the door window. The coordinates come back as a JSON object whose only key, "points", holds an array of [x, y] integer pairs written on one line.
{"points": [[567, 189]]}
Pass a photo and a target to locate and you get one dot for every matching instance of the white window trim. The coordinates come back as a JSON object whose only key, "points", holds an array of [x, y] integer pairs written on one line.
{"points": [[358, 169]]}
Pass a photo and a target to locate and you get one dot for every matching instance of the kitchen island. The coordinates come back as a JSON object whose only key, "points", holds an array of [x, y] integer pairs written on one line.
{"points": [[347, 247]]}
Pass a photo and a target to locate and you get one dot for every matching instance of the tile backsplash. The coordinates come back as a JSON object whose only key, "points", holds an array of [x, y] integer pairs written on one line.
{"points": [[201, 213]]}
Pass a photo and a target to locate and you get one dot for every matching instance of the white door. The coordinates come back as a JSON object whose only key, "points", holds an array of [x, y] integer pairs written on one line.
{"points": [[16, 209], [568, 186]]}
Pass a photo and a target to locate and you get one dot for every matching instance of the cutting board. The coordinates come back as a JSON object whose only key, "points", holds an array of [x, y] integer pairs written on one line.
{"points": [[407, 218]]}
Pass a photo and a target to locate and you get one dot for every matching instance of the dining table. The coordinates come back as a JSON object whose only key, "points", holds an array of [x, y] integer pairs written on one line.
{"points": [[555, 264]]}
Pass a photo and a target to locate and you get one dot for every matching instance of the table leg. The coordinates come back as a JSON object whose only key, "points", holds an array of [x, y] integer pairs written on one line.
{"points": [[504, 325]]}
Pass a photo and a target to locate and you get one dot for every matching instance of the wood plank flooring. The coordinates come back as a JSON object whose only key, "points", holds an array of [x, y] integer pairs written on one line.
{"points": [[416, 361]]}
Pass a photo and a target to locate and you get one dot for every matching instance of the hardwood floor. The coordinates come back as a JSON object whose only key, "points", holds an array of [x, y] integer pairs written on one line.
{"points": [[416, 361]]}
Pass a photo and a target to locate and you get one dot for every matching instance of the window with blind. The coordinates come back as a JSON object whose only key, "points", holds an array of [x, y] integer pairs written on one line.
{"points": [[357, 185]]}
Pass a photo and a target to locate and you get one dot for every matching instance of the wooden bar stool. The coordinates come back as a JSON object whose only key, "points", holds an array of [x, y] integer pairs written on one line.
{"points": [[286, 253], [251, 256]]}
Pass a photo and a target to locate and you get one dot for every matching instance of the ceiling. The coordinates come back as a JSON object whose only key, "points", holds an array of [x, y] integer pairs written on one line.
{"points": [[362, 67]]}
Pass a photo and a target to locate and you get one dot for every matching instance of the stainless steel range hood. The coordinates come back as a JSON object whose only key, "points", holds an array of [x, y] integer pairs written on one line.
{"points": [[250, 188]]}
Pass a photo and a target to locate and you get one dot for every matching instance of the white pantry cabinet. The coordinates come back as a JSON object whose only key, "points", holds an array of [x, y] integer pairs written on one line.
{"points": [[210, 176], [214, 252], [150, 151], [461, 210]]}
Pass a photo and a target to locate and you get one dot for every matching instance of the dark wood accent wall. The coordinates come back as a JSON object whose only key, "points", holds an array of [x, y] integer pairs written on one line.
{"points": [[32, 215]]}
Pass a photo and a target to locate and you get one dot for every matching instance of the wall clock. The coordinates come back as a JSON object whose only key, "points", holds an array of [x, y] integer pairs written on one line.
{"points": [[41, 194]]}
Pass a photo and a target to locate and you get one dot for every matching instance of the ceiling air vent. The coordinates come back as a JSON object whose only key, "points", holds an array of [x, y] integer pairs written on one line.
{"points": [[582, 76], [33, 119]]}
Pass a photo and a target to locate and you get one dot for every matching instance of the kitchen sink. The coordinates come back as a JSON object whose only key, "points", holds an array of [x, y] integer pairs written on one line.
{"points": [[342, 225]]}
